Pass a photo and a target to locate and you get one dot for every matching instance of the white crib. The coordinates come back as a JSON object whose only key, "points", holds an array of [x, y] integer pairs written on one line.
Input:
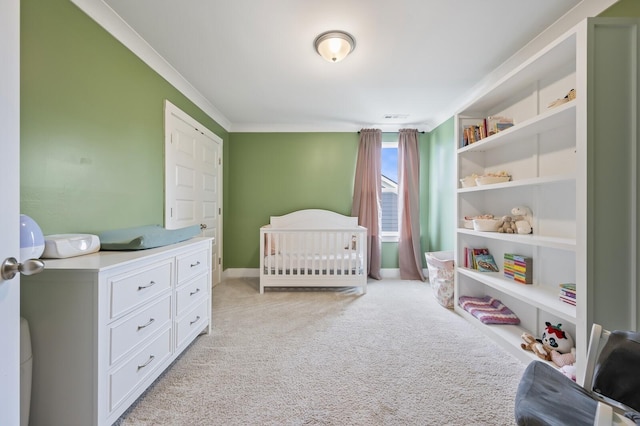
{"points": [[313, 248]]}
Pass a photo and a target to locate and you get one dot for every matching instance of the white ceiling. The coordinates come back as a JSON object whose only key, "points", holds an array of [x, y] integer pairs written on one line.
{"points": [[254, 61]]}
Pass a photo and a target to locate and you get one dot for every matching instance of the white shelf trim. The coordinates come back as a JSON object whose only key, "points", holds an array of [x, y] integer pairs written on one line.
{"points": [[521, 182], [568, 244]]}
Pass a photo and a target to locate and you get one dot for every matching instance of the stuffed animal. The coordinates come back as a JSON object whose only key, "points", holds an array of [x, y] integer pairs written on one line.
{"points": [[507, 225], [556, 338], [523, 216], [556, 345], [569, 371], [562, 360], [535, 345]]}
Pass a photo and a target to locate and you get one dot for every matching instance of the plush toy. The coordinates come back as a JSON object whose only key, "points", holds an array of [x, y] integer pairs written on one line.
{"points": [[523, 216], [562, 360], [556, 338], [555, 345], [507, 225], [534, 345], [569, 371]]}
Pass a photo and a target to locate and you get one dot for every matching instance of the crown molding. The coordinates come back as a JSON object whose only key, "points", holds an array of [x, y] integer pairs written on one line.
{"points": [[108, 19]]}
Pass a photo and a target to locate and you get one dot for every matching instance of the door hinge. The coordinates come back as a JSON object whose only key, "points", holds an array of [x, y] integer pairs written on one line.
{"points": [[219, 210], [219, 161], [219, 261], [171, 210]]}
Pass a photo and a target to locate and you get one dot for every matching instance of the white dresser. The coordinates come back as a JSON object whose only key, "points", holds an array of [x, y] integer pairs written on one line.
{"points": [[104, 326]]}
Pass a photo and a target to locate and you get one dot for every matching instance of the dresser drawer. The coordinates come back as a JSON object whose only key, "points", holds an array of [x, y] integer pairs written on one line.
{"points": [[138, 326], [134, 288], [192, 264], [192, 292], [192, 322], [124, 380]]}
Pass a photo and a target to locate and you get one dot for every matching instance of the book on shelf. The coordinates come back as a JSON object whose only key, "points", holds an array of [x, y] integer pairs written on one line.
{"points": [[567, 293], [486, 263], [483, 127], [568, 300], [479, 259], [473, 133], [518, 268], [497, 123]]}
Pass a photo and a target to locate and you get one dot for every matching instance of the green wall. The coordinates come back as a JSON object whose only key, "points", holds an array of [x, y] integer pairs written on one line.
{"points": [[623, 8], [92, 135], [439, 189], [277, 173]]}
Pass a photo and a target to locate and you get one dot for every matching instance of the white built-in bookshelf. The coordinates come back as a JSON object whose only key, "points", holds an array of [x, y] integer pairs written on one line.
{"points": [[575, 165]]}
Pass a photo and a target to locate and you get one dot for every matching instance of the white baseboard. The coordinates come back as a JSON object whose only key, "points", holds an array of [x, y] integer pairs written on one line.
{"points": [[392, 273]]}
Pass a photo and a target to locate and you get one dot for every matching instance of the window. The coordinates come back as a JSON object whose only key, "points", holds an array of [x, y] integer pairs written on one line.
{"points": [[389, 201]]}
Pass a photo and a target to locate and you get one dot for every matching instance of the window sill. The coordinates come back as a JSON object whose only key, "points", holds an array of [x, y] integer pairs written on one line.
{"points": [[390, 238]]}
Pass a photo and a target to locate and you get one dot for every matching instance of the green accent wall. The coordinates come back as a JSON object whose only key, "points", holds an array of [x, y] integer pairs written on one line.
{"points": [[271, 174], [92, 125]]}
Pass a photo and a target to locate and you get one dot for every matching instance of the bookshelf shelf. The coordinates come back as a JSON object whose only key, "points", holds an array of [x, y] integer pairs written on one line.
{"points": [[539, 296], [568, 244], [551, 119], [521, 182]]}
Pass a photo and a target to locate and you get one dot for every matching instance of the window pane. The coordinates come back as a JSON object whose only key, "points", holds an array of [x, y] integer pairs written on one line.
{"points": [[389, 202]]}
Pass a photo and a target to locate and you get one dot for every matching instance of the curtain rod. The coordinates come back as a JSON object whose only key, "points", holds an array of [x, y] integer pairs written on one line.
{"points": [[423, 132]]}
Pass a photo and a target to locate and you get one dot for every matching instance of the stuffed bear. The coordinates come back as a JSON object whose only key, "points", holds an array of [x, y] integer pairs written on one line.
{"points": [[523, 218], [507, 225]]}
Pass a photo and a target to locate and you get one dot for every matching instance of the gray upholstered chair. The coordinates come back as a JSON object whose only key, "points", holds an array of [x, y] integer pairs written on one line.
{"points": [[609, 393]]}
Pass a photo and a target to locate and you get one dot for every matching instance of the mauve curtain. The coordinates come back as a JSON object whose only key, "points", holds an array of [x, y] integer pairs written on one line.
{"points": [[409, 253], [367, 192]]}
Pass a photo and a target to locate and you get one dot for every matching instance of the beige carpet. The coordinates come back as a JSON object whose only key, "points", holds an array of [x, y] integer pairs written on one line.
{"points": [[391, 357]]}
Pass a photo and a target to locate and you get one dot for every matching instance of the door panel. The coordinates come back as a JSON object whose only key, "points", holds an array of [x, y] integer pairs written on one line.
{"points": [[193, 181]]}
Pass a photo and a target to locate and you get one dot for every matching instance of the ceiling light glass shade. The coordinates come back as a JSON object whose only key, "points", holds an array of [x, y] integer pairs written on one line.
{"points": [[334, 46]]}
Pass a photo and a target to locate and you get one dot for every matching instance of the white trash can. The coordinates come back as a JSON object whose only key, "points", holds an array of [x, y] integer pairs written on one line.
{"points": [[441, 276], [26, 364]]}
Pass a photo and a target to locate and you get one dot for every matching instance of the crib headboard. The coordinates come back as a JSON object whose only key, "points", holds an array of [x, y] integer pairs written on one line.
{"points": [[314, 219]]}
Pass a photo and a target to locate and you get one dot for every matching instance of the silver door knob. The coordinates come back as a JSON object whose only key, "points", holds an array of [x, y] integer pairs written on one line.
{"points": [[10, 267]]}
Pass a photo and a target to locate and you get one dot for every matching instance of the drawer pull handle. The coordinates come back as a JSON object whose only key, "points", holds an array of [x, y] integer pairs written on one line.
{"points": [[193, 265], [195, 320], [151, 358], [142, 287], [151, 321], [194, 292]]}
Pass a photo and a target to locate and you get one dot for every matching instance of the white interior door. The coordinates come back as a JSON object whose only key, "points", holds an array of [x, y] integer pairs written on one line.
{"points": [[9, 210], [193, 179]]}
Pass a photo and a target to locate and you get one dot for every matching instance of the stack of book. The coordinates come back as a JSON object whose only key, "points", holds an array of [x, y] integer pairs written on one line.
{"points": [[518, 268], [568, 293]]}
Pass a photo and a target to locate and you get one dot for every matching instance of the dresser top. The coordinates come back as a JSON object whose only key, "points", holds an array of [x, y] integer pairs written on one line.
{"points": [[104, 260]]}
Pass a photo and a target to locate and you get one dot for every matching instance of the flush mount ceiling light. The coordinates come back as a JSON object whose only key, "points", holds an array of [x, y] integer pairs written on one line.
{"points": [[334, 46]]}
